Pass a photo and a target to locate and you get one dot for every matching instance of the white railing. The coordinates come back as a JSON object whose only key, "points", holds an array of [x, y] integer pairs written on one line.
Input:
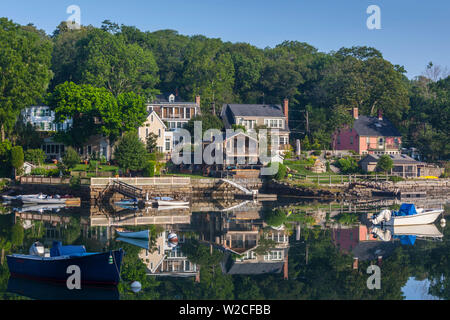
{"points": [[139, 181]]}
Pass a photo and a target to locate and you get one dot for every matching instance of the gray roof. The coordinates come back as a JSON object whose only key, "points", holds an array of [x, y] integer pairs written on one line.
{"points": [[256, 268], [396, 158], [229, 111], [164, 99], [256, 110], [371, 126]]}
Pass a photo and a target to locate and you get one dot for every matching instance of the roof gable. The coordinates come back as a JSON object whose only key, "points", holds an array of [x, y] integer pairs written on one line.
{"points": [[157, 117]]}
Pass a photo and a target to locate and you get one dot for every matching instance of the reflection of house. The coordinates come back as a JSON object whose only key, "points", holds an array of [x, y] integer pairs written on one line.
{"points": [[167, 261], [242, 235], [347, 238], [369, 135], [173, 111], [253, 115], [403, 165]]}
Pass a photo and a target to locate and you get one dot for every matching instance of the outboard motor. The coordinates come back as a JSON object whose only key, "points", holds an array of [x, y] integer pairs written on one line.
{"points": [[37, 249]]}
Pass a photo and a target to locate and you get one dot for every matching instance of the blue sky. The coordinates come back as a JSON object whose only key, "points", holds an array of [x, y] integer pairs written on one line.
{"points": [[413, 32]]}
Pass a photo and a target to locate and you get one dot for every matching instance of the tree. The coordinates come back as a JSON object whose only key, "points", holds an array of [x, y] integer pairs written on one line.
{"points": [[151, 142], [208, 121], [130, 152], [132, 109], [25, 70], [70, 158], [385, 163], [17, 158], [35, 156]]}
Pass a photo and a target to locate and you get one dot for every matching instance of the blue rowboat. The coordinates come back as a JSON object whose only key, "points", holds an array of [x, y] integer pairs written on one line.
{"points": [[144, 234], [131, 202], [95, 268]]}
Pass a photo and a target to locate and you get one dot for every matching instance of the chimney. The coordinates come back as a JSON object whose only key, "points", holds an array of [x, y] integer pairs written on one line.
{"points": [[197, 276], [355, 113], [197, 100], [355, 263], [286, 110], [380, 261], [380, 114], [285, 268]]}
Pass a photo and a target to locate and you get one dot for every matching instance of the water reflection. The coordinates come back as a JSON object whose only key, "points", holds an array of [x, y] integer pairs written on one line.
{"points": [[239, 250]]}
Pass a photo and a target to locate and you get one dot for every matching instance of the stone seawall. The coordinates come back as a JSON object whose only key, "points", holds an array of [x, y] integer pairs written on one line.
{"points": [[190, 188]]}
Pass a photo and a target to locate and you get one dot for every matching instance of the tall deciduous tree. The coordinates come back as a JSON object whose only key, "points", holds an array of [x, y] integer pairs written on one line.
{"points": [[25, 55]]}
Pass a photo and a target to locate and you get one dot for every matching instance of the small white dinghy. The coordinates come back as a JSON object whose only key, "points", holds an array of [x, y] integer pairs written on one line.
{"points": [[42, 199], [406, 216]]}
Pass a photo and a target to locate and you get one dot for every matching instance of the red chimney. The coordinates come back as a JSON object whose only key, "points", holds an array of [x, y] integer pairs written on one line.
{"points": [[285, 268], [286, 109], [380, 114], [197, 100], [355, 113]]}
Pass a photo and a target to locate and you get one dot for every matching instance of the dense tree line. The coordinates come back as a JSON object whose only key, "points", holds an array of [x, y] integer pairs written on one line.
{"points": [[108, 63]]}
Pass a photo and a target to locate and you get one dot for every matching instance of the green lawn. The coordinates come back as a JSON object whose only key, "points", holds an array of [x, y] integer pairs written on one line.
{"points": [[101, 168], [300, 167]]}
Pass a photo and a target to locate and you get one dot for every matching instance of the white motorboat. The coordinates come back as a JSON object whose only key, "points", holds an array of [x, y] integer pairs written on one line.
{"points": [[406, 216], [42, 199], [168, 201], [55, 207], [425, 231]]}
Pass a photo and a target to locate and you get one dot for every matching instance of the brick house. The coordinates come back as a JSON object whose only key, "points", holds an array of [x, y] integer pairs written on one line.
{"points": [[369, 135]]}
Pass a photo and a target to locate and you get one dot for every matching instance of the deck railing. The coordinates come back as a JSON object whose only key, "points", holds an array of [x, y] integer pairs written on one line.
{"points": [[143, 181]]}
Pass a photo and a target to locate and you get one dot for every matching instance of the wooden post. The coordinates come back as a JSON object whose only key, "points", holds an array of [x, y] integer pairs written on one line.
{"points": [[330, 180]]}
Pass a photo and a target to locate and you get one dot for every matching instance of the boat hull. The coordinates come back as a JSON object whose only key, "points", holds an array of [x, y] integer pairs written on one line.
{"points": [[95, 269], [172, 203], [135, 235], [425, 217], [43, 201]]}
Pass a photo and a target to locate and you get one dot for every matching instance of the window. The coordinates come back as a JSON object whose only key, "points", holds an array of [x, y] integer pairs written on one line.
{"points": [[167, 144], [188, 113], [351, 140], [380, 141], [339, 139], [146, 132], [151, 118], [159, 132]]}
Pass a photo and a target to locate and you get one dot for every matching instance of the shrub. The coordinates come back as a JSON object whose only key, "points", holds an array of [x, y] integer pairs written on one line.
{"points": [[71, 158], [52, 173], [75, 182], [385, 163], [38, 172], [281, 173], [317, 152], [17, 157], [395, 179], [35, 156], [150, 168], [348, 165]]}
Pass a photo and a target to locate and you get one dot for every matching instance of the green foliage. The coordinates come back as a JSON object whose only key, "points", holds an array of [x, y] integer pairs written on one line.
{"points": [[35, 156], [38, 172], [75, 182], [150, 169], [275, 218], [70, 158], [130, 153], [17, 157], [395, 179], [385, 163], [25, 56], [348, 165], [208, 121], [151, 143], [17, 234]]}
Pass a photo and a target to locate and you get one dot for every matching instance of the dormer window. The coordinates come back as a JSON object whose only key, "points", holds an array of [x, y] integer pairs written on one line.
{"points": [[171, 98]]}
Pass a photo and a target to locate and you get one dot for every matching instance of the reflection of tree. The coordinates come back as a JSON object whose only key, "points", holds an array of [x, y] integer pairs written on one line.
{"points": [[72, 231]]}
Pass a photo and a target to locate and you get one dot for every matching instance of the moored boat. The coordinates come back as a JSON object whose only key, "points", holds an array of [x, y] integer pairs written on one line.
{"points": [[42, 199], [144, 234], [407, 215], [99, 268]]}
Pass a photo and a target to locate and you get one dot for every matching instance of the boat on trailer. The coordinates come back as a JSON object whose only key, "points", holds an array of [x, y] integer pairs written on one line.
{"points": [[407, 215], [97, 268]]}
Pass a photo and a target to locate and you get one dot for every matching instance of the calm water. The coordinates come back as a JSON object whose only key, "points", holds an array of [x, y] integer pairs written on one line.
{"points": [[244, 250]]}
